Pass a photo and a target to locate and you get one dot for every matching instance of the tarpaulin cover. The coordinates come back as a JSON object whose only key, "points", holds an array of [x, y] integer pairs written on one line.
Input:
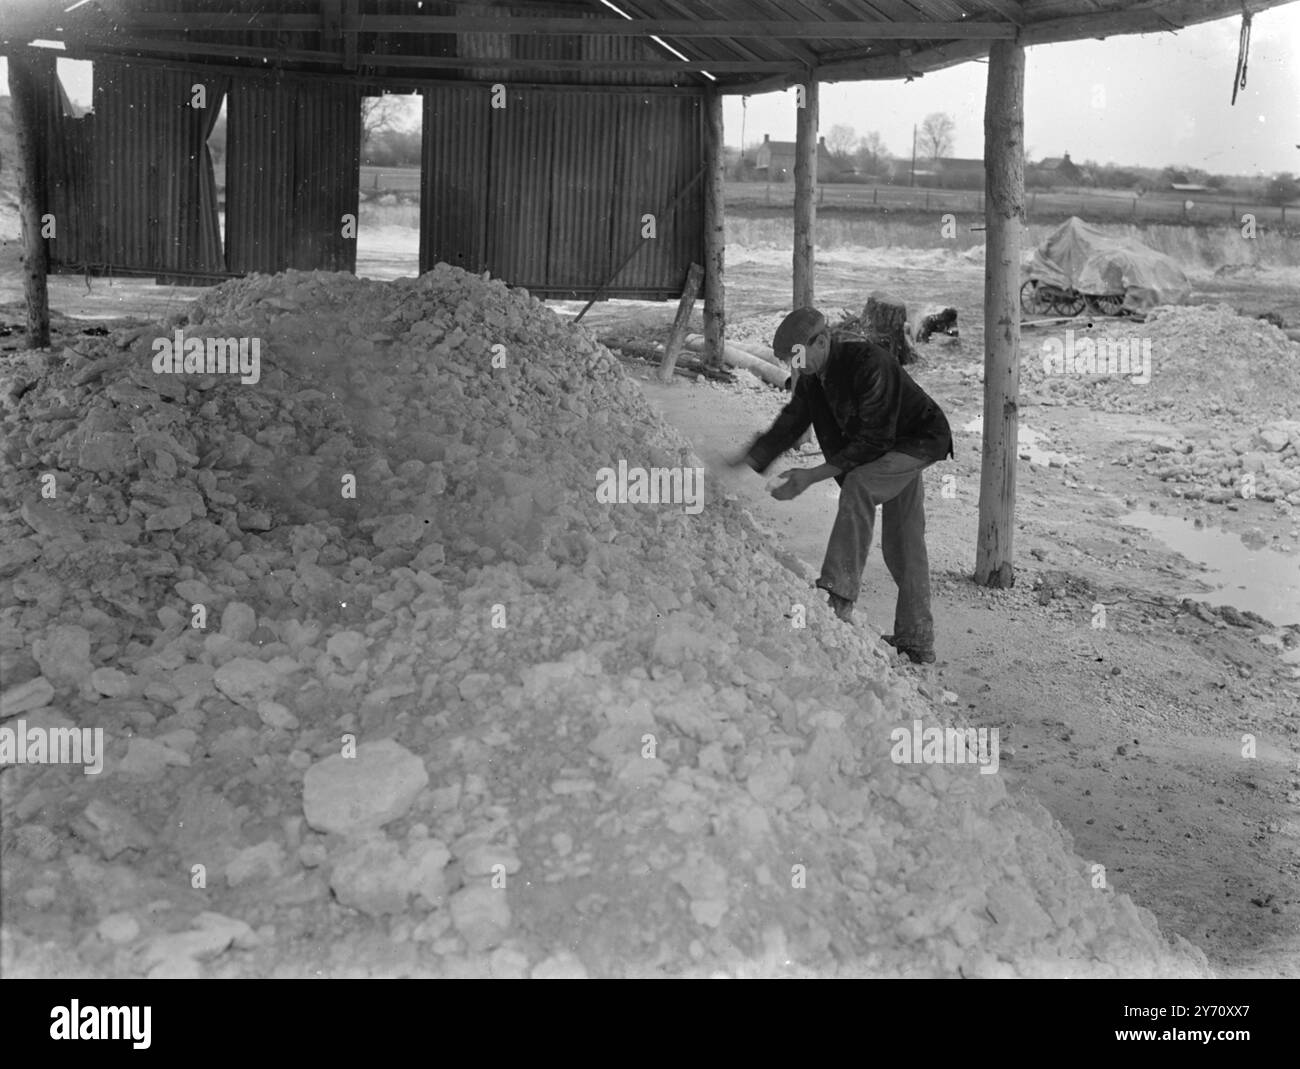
{"points": [[1081, 257]]}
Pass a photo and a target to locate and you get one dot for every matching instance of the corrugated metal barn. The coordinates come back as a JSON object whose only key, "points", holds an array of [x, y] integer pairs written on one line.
{"points": [[599, 127], [612, 110]]}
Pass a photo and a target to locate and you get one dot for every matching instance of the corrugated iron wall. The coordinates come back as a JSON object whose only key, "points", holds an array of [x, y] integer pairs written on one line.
{"points": [[549, 192], [67, 147], [453, 204], [132, 187], [292, 173], [150, 155]]}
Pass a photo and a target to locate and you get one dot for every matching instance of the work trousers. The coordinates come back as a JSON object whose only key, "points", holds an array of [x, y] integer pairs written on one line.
{"points": [[893, 481]]}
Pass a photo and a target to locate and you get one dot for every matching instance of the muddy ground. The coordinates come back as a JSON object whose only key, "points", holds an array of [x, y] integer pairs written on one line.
{"points": [[1131, 735]]}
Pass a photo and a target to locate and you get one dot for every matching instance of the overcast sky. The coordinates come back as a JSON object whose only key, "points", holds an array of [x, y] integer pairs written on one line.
{"points": [[1166, 101], [1149, 100]]}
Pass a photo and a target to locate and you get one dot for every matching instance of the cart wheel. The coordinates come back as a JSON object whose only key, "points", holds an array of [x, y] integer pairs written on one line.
{"points": [[1110, 304], [1033, 300], [1068, 302]]}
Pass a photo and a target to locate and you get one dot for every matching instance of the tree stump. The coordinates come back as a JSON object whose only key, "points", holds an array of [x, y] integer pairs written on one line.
{"points": [[883, 320]]}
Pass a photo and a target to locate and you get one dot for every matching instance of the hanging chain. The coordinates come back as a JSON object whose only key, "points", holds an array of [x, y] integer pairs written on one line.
{"points": [[1243, 53]]}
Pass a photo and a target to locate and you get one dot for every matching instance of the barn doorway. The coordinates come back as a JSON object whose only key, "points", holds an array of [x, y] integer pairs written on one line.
{"points": [[388, 217]]}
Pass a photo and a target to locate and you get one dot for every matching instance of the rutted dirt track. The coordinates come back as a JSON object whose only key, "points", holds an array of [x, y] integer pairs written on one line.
{"points": [[1131, 735]]}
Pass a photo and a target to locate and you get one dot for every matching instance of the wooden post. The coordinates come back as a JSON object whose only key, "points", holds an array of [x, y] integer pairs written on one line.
{"points": [[805, 212], [680, 324], [805, 203], [715, 235], [1004, 169], [25, 90]]}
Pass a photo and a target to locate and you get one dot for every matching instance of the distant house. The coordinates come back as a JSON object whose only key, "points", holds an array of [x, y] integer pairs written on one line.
{"points": [[1065, 169], [774, 161], [952, 172], [1188, 187]]}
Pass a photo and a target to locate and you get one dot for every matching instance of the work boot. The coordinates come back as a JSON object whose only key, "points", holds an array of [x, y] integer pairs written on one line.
{"points": [[843, 607], [915, 655]]}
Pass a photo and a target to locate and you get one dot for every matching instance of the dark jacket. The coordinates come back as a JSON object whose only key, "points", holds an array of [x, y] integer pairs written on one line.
{"points": [[862, 406]]}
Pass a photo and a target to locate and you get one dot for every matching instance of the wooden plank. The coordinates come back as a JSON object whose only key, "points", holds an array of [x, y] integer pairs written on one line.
{"points": [[715, 237], [795, 29], [350, 17], [1012, 10], [26, 86], [681, 322], [331, 24], [892, 66], [1004, 212]]}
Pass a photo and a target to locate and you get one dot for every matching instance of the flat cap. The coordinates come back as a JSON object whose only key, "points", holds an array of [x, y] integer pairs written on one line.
{"points": [[798, 328]]}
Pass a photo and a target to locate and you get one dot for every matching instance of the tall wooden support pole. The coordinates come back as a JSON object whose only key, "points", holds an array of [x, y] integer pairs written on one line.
{"points": [[715, 235], [25, 90], [1004, 211], [805, 209], [805, 190]]}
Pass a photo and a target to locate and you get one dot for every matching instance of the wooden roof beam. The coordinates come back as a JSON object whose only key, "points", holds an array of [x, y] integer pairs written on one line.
{"points": [[1011, 10], [788, 28], [127, 47], [1146, 18]]}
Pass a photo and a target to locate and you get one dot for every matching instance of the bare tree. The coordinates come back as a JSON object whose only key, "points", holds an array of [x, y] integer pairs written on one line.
{"points": [[871, 153], [936, 134], [841, 140], [377, 115]]}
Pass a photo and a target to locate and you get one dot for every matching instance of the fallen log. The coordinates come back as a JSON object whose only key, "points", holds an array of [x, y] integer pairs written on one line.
{"points": [[1030, 324], [776, 374], [653, 354]]}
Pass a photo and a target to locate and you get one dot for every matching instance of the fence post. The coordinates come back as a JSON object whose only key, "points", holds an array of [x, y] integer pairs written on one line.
{"points": [[875, 194], [1283, 222]]}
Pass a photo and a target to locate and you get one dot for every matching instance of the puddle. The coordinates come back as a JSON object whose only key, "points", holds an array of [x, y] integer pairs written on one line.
{"points": [[1244, 573], [1029, 445]]}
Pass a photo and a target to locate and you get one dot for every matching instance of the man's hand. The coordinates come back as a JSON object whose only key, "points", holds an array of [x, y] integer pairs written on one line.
{"points": [[795, 482]]}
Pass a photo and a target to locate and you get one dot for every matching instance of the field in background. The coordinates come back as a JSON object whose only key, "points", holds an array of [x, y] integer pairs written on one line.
{"points": [[390, 179], [1096, 205], [854, 216], [1191, 246]]}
